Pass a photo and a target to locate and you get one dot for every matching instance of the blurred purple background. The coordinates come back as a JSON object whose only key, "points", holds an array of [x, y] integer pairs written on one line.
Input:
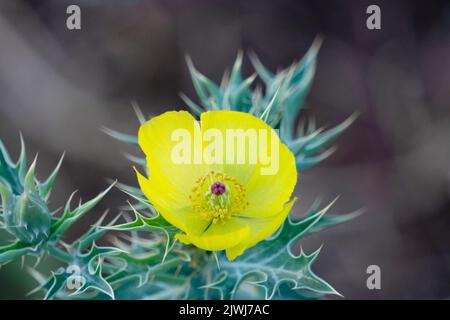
{"points": [[58, 87]]}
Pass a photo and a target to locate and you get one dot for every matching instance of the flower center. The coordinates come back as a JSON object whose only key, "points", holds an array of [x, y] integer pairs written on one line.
{"points": [[218, 188], [217, 196]]}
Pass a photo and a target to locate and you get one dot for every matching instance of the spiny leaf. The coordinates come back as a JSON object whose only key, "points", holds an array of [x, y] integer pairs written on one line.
{"points": [[304, 163], [9, 170], [16, 250], [94, 233], [166, 287], [156, 223], [300, 77], [270, 273], [240, 98], [297, 144], [325, 138], [22, 161], [272, 263], [127, 138], [147, 266], [262, 71], [236, 76], [84, 268], [88, 259], [328, 220], [57, 284], [30, 178], [69, 216], [6, 195], [46, 186], [54, 284], [95, 281], [207, 90], [192, 105]]}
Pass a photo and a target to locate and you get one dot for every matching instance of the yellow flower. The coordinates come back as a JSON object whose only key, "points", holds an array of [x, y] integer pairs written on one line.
{"points": [[222, 202]]}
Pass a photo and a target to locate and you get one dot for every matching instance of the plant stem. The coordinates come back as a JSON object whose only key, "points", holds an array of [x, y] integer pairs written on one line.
{"points": [[59, 254]]}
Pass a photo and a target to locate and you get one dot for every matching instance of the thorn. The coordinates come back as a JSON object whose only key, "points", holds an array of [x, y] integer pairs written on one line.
{"points": [[216, 258], [100, 220], [190, 65], [38, 260], [56, 210], [22, 150], [33, 165], [265, 115], [134, 159], [317, 42], [138, 111]]}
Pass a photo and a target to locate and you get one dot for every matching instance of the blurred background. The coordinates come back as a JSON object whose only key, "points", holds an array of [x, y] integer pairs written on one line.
{"points": [[59, 87]]}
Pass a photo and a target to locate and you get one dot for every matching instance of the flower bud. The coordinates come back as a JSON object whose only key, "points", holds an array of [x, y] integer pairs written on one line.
{"points": [[26, 216]]}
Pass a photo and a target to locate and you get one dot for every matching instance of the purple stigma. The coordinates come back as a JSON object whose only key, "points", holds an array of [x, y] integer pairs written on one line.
{"points": [[218, 188]]}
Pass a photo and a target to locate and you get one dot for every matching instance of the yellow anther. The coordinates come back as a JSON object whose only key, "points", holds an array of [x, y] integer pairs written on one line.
{"points": [[218, 205]]}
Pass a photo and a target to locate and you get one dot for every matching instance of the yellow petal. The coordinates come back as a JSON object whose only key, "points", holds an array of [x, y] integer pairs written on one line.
{"points": [[266, 193], [159, 139], [260, 229], [224, 120], [182, 217], [170, 182], [218, 236]]}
